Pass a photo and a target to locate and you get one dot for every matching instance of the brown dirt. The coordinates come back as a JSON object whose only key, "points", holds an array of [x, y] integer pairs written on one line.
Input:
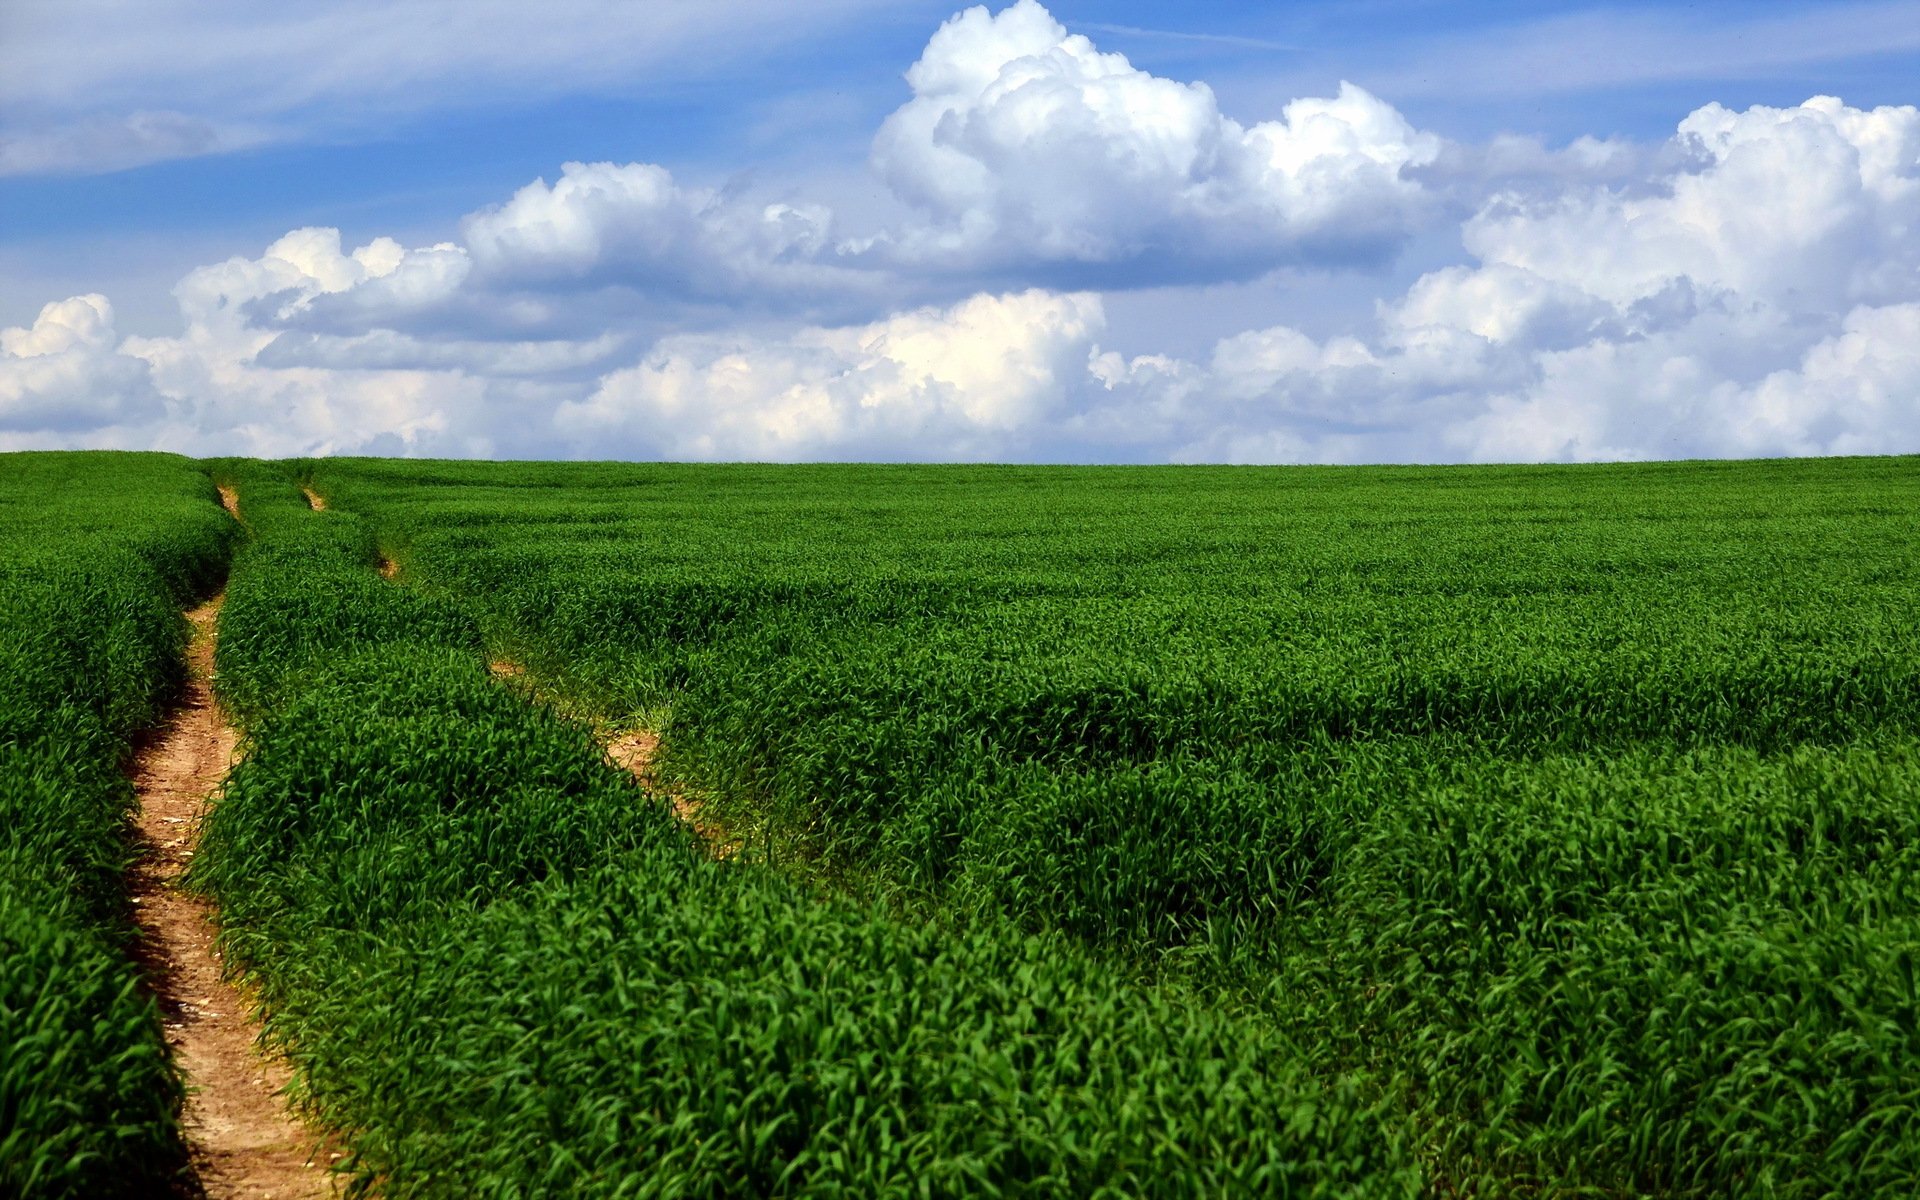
{"points": [[389, 569], [242, 1139], [634, 752], [315, 500]]}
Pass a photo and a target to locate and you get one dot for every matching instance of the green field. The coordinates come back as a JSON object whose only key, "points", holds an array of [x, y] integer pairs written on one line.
{"points": [[1121, 831], [97, 555]]}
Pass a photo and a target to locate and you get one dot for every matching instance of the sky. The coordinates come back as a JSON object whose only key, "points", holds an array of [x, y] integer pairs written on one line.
{"points": [[1370, 231]]}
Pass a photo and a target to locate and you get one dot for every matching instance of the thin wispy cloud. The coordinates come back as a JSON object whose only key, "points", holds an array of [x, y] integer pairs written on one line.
{"points": [[106, 84], [1189, 35]]}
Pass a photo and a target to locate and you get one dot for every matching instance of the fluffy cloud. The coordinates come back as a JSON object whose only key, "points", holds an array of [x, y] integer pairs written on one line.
{"points": [[62, 379], [1758, 295], [1671, 395], [977, 380], [1024, 145], [296, 271], [633, 225], [1750, 288], [1807, 208], [1857, 392], [1028, 150], [242, 378], [1757, 299]]}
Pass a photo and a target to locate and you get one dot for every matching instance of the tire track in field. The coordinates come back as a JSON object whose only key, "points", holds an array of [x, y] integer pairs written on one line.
{"points": [[632, 751], [389, 570], [242, 1140]]}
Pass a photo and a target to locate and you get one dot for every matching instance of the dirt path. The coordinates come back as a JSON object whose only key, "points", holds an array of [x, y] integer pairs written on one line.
{"points": [[389, 570], [243, 1141], [633, 752]]}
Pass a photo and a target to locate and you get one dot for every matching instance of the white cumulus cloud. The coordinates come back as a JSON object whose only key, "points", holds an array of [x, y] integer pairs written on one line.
{"points": [[62, 378], [1752, 287], [1808, 208], [1755, 299], [634, 225], [1024, 143], [233, 386], [975, 380]]}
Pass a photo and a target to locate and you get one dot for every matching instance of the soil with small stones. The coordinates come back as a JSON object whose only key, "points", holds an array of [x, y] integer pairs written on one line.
{"points": [[242, 1140]]}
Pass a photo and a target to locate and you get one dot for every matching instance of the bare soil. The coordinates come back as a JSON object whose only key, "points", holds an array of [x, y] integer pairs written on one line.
{"points": [[243, 1141], [315, 500], [633, 752]]}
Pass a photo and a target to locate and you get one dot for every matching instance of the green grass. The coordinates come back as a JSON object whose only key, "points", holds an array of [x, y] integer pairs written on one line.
{"points": [[505, 970], [1317, 832], [1565, 808], [97, 555]]}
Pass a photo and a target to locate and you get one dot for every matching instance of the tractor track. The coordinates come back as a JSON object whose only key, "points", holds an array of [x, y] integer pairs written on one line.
{"points": [[241, 1138]]}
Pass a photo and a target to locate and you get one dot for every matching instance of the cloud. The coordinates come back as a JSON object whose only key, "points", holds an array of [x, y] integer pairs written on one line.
{"points": [[62, 377], [1757, 301], [390, 350], [242, 378], [1804, 208], [1180, 191], [1751, 287], [976, 380], [1024, 145], [1524, 167], [1672, 316], [1856, 391], [112, 143], [303, 266], [633, 225]]}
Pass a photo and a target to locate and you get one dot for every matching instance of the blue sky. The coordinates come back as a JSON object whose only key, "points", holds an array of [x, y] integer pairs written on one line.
{"points": [[142, 143]]}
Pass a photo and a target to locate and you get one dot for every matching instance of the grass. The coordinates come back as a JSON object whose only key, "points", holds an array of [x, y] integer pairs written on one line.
{"points": [[1563, 807], [506, 970], [97, 555], [1302, 832]]}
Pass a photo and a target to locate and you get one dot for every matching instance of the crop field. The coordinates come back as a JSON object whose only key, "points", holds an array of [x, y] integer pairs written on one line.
{"points": [[1567, 813], [1503, 832], [97, 555]]}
